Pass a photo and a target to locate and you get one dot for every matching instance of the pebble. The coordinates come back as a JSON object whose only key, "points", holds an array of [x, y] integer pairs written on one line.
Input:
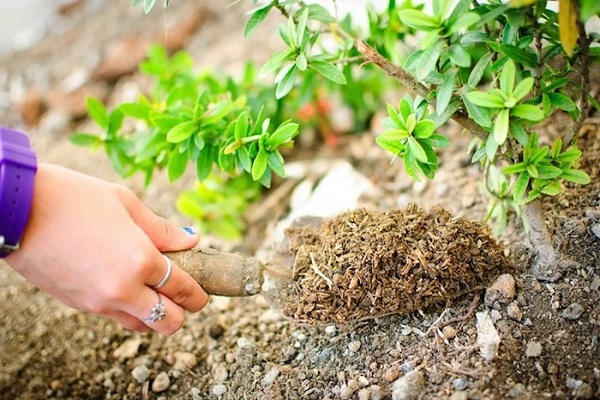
{"points": [[346, 392], [573, 383], [391, 374], [128, 349], [161, 383], [220, 373], [488, 339], [409, 386], [518, 391], [596, 230], [141, 373], [243, 343], [573, 311], [270, 376], [330, 329], [419, 186], [534, 349], [196, 393], [219, 390], [502, 290], [595, 283], [460, 383], [354, 346], [459, 396], [364, 394], [184, 361], [514, 311], [449, 332]]}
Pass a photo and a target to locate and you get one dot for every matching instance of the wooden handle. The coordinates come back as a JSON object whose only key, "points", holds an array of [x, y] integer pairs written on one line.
{"points": [[221, 274]]}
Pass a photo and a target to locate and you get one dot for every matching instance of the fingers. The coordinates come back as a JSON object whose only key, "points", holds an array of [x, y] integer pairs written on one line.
{"points": [[180, 287], [160, 313], [164, 235]]}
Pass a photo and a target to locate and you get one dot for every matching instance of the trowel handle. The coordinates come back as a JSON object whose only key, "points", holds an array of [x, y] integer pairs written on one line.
{"points": [[221, 274]]}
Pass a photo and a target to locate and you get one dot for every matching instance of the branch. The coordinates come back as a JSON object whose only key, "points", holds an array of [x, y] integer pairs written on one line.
{"points": [[413, 85], [584, 104]]}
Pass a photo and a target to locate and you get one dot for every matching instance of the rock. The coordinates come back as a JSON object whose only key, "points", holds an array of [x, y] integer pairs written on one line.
{"points": [[196, 393], [595, 285], [517, 391], [534, 349], [219, 390], [488, 339], [514, 311], [346, 392], [573, 383], [459, 396], [449, 332], [419, 186], [161, 383], [128, 349], [270, 376], [391, 374], [32, 107], [460, 383], [354, 346], [573, 311], [501, 291], [409, 386], [184, 361], [220, 373], [330, 330], [364, 394], [376, 392], [180, 34], [141, 373], [585, 391], [216, 331], [121, 58], [595, 228]]}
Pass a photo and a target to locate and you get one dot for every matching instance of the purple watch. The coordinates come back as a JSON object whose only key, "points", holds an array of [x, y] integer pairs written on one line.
{"points": [[18, 165]]}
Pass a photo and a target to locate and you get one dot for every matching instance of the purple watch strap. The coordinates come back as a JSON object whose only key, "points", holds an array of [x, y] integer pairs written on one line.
{"points": [[18, 165]]}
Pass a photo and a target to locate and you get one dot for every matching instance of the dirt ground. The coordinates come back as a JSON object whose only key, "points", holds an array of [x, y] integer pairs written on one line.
{"points": [[241, 348]]}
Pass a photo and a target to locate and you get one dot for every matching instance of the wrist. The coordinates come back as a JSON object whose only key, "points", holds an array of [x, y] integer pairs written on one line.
{"points": [[18, 165]]}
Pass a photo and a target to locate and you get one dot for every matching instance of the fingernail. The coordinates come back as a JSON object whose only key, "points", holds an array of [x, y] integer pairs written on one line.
{"points": [[190, 230]]}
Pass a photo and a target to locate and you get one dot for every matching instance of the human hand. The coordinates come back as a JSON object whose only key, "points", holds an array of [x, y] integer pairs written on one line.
{"points": [[97, 248]]}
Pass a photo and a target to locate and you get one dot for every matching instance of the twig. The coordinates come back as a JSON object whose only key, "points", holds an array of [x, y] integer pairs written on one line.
{"points": [[584, 44], [313, 264], [469, 313], [413, 85]]}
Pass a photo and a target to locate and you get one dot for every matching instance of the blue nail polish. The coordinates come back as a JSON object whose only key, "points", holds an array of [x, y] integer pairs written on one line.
{"points": [[190, 230]]}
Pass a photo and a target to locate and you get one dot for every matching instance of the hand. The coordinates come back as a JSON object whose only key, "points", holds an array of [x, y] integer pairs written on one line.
{"points": [[97, 248]]}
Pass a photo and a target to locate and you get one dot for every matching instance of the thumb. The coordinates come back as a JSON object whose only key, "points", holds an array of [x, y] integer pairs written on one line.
{"points": [[162, 233]]}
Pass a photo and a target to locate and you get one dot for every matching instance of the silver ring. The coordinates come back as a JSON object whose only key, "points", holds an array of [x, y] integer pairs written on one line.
{"points": [[158, 311], [164, 280]]}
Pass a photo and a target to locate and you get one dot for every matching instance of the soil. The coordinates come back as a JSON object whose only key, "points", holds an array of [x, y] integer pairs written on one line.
{"points": [[239, 348]]}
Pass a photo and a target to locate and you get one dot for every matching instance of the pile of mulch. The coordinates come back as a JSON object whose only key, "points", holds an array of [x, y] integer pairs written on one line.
{"points": [[364, 264]]}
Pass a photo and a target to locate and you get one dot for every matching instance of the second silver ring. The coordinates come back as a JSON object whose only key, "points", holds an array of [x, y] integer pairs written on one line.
{"points": [[164, 280]]}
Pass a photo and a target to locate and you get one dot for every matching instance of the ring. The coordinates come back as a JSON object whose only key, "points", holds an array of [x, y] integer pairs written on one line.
{"points": [[164, 280], [158, 311]]}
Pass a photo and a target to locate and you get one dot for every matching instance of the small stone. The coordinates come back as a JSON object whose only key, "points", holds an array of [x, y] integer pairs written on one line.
{"points": [[502, 290], [141, 373], [573, 311], [184, 361], [346, 392], [219, 390], [596, 230], [409, 386], [161, 383], [460, 396], [419, 186], [518, 391], [460, 383], [534, 349], [216, 331], [585, 391], [196, 393], [488, 339], [595, 283], [220, 373], [364, 394], [449, 332], [376, 392], [330, 329], [391, 374], [128, 349], [354, 346], [243, 343], [354, 384], [270, 377], [573, 383], [514, 311]]}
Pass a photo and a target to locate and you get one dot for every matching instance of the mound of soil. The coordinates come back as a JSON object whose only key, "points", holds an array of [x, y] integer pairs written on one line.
{"points": [[364, 264]]}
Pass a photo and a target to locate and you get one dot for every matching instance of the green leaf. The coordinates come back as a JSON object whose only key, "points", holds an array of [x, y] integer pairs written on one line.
{"points": [[241, 126], [438, 141], [479, 69], [517, 54], [416, 149], [181, 132], [519, 133], [418, 20], [487, 100], [301, 27], [259, 166], [244, 159], [576, 176], [285, 85], [177, 164], [257, 18], [561, 101], [507, 78], [428, 59], [97, 111], [528, 112], [459, 56], [276, 61], [532, 171], [464, 21], [556, 147], [491, 147], [500, 130], [319, 13], [136, 110], [204, 164], [85, 139], [282, 135], [164, 122], [521, 186], [217, 112], [480, 115], [301, 62], [444, 94], [424, 129], [276, 163], [392, 145], [552, 189], [522, 89], [328, 71], [515, 168], [548, 171]]}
